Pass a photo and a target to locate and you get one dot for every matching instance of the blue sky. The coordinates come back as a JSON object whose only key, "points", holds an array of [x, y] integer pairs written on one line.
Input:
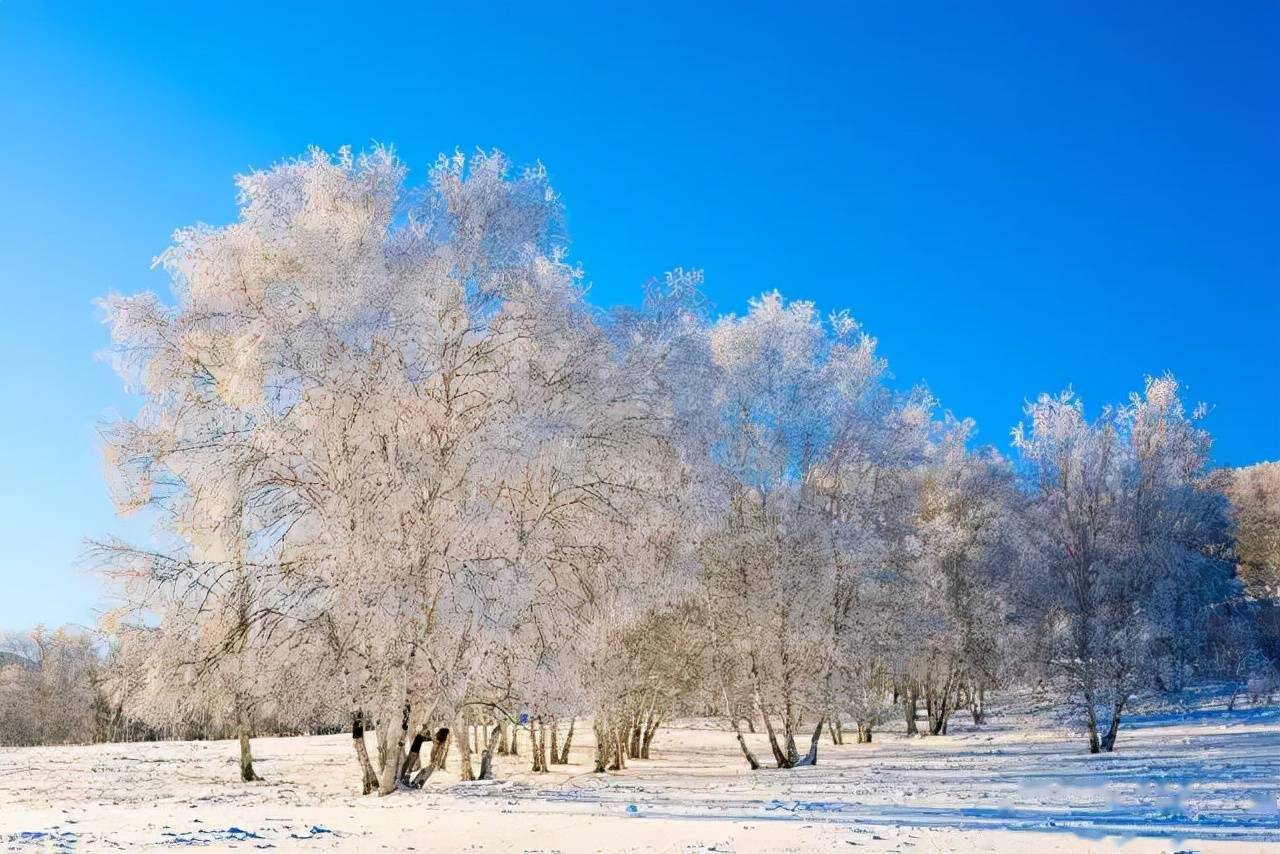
{"points": [[1012, 197]]}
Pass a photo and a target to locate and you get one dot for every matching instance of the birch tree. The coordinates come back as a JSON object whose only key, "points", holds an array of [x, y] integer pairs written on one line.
{"points": [[805, 435], [1131, 546]]}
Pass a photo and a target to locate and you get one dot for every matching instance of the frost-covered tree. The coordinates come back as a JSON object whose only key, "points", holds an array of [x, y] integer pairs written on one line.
{"points": [[965, 535], [386, 424], [199, 616], [1255, 497], [1130, 550], [49, 687], [812, 450]]}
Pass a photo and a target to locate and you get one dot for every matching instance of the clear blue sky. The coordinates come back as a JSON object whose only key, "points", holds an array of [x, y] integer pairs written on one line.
{"points": [[1013, 197]]}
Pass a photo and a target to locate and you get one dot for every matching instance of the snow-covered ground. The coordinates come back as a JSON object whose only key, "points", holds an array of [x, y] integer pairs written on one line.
{"points": [[1204, 780]]}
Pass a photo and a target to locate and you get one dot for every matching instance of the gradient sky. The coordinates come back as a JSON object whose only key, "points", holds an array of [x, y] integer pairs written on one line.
{"points": [[1012, 197]]}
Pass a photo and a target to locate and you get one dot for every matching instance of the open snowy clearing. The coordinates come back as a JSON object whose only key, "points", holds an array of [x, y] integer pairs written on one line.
{"points": [[1206, 781]]}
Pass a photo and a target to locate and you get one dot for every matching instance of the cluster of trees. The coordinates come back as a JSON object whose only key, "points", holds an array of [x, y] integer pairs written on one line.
{"points": [[1255, 497], [408, 480], [49, 688]]}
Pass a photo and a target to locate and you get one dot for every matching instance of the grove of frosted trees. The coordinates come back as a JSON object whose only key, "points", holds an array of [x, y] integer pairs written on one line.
{"points": [[408, 482]]}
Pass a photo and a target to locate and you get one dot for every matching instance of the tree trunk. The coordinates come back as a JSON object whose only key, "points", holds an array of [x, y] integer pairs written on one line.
{"points": [[940, 710], [414, 757], [752, 762], [1113, 729], [381, 733], [602, 746], [618, 742], [439, 749], [864, 733], [246, 758], [568, 739], [632, 739], [1091, 721], [440, 753], [789, 732], [779, 758], [649, 733], [486, 758], [515, 737], [393, 755], [979, 705], [910, 711], [465, 770], [554, 755], [503, 747], [538, 743], [370, 780], [811, 758]]}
